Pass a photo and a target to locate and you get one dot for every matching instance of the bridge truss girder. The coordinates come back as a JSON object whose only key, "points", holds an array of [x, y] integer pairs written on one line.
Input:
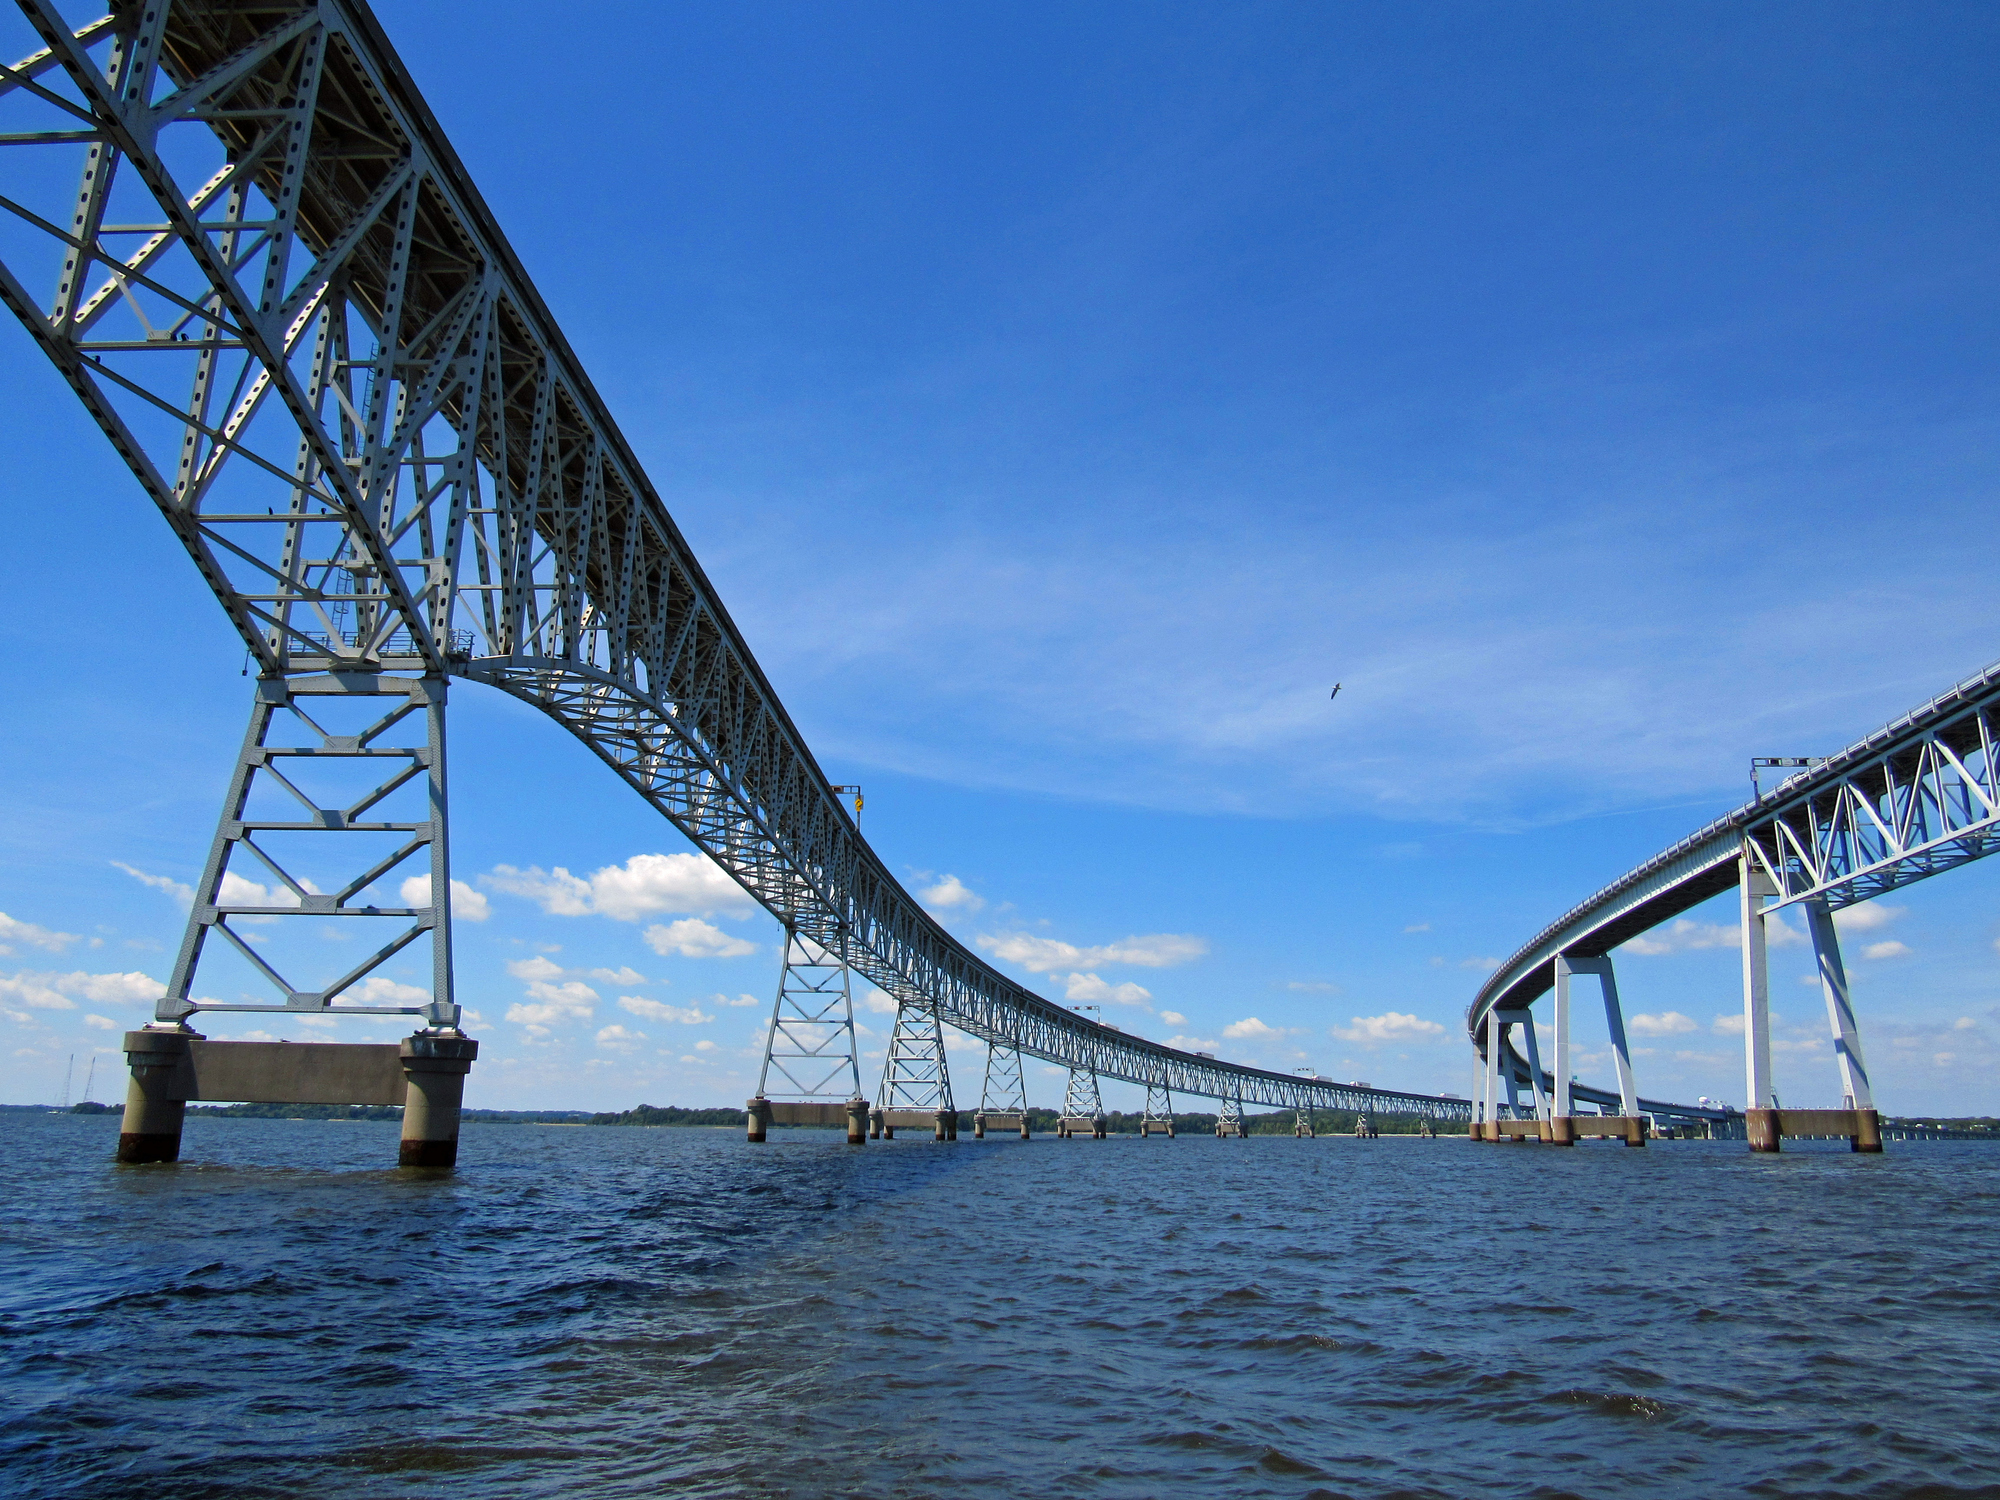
{"points": [[326, 367], [1917, 797]]}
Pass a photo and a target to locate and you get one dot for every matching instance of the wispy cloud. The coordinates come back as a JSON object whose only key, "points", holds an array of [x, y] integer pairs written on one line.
{"points": [[1666, 1023], [27, 934], [1040, 955]]}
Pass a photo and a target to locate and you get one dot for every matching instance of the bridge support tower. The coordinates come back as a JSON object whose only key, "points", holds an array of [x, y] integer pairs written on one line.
{"points": [[1765, 1122], [1083, 1107], [1158, 1118], [1003, 1096], [1229, 1119], [381, 857], [916, 1083], [810, 1060]]}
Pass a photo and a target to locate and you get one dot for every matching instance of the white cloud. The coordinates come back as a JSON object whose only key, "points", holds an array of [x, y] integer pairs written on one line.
{"points": [[572, 1000], [1390, 1026], [100, 1023], [655, 1010], [1173, 1018], [537, 967], [645, 885], [46, 991], [1192, 1044], [181, 893], [467, 905], [1728, 1025], [12, 932], [1249, 1027], [1418, 927], [951, 894], [719, 998], [704, 1045], [1089, 987], [1313, 987], [1040, 955], [694, 938], [378, 989], [1479, 965], [619, 1038], [1666, 1023], [877, 1003], [1890, 949], [1684, 935], [1869, 916]]}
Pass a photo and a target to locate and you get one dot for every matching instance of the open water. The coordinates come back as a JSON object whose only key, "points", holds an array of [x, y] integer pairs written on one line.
{"points": [[666, 1313]]}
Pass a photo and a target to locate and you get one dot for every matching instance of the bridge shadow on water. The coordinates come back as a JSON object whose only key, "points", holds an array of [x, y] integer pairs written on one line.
{"points": [[622, 1312]]}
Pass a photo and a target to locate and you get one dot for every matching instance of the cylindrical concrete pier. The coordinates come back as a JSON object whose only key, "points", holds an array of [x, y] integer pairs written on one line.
{"points": [[1867, 1131], [979, 1127], [875, 1124], [156, 1099], [435, 1064], [1024, 1125], [758, 1122], [1761, 1125], [857, 1122]]}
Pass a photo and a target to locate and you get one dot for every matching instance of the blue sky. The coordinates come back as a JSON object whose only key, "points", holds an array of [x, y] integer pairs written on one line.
{"points": [[1062, 401]]}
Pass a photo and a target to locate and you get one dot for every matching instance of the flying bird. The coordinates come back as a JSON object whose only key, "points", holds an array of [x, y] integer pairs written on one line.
{"points": [[1334, 694]]}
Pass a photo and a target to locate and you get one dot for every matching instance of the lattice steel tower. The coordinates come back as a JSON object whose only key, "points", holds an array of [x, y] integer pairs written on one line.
{"points": [[810, 1047]]}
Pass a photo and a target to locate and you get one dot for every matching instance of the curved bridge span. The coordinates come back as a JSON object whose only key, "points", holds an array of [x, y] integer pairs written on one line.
{"points": [[1917, 797], [238, 232]]}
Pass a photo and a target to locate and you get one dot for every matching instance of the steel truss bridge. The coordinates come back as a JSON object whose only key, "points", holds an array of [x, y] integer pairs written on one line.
{"points": [[1917, 797], [237, 231]]}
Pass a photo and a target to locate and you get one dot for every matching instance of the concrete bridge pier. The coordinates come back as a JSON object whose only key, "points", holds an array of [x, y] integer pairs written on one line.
{"points": [[1229, 1120], [1563, 1123], [434, 1069], [155, 1107], [172, 1065], [1765, 1122]]}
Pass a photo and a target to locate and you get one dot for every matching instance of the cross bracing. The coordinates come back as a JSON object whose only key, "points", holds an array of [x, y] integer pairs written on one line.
{"points": [[265, 274], [1919, 796]]}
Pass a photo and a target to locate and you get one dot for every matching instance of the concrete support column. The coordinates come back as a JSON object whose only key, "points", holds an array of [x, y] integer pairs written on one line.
{"points": [[1525, 1019], [1621, 1054], [1564, 1105], [1867, 1131], [1024, 1125], [1492, 1073], [759, 1111], [1839, 1007], [1761, 1126], [1562, 1131], [875, 1124], [945, 1123], [1635, 1130], [1755, 885], [857, 1122], [979, 1126], [156, 1099], [435, 1065]]}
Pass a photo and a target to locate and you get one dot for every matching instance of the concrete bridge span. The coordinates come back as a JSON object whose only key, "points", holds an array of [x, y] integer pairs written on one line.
{"points": [[1919, 796]]}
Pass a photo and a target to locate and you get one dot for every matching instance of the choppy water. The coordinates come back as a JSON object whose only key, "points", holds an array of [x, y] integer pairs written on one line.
{"points": [[615, 1312]]}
